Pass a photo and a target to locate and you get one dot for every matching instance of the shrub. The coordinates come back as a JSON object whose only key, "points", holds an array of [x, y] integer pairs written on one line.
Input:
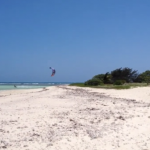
{"points": [[99, 76], [123, 81], [77, 84], [93, 82], [118, 82]]}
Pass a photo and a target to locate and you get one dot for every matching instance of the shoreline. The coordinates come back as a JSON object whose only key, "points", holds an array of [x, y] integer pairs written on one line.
{"points": [[24, 85], [65, 117]]}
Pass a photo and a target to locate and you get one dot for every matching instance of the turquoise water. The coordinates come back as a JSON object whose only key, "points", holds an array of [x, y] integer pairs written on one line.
{"points": [[29, 85], [10, 87]]}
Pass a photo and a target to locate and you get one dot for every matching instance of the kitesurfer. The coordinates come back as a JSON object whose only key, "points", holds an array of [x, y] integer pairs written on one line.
{"points": [[53, 71]]}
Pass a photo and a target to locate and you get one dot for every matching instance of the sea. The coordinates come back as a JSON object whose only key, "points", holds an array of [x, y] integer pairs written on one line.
{"points": [[28, 85]]}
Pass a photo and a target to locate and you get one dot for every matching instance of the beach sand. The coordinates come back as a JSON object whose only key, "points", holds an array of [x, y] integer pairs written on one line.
{"points": [[74, 118]]}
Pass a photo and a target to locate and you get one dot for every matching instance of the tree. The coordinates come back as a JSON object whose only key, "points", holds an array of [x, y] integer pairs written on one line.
{"points": [[144, 77], [147, 79], [126, 74], [107, 78]]}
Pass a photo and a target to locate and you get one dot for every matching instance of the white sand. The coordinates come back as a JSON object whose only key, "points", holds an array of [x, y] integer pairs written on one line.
{"points": [[71, 118]]}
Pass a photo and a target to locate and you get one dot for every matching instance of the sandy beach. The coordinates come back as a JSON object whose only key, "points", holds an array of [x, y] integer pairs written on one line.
{"points": [[74, 118]]}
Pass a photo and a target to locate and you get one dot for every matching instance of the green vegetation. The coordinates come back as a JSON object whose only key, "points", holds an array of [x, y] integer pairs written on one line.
{"points": [[121, 78], [93, 82], [118, 82], [78, 84]]}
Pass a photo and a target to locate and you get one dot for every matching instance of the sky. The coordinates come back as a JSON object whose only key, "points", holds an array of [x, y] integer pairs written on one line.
{"points": [[79, 38]]}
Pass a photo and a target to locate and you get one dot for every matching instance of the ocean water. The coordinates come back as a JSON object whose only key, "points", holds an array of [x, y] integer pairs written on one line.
{"points": [[28, 85]]}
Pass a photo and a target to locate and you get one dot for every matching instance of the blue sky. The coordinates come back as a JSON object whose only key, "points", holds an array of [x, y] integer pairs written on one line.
{"points": [[79, 38]]}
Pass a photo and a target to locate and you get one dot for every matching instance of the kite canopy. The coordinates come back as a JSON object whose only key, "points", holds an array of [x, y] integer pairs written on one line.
{"points": [[53, 71]]}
